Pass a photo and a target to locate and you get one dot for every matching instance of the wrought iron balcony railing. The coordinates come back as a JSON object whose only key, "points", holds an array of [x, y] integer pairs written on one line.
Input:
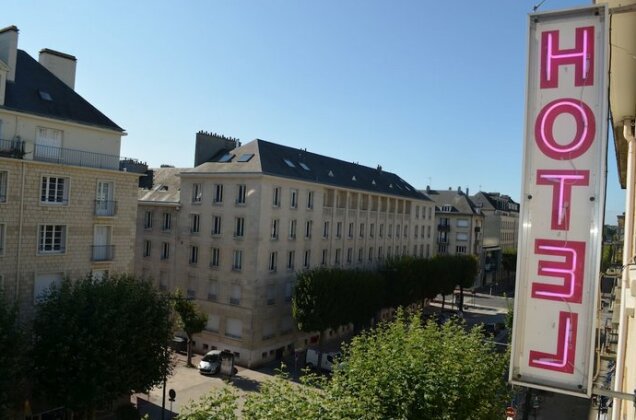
{"points": [[103, 252], [75, 157], [105, 208]]}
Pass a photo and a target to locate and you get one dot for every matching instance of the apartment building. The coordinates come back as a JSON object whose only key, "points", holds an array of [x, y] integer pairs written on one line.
{"points": [[250, 218], [66, 210], [458, 224], [500, 230]]}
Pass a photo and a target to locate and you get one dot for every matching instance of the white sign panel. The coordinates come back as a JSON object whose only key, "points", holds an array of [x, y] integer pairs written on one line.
{"points": [[562, 202]]}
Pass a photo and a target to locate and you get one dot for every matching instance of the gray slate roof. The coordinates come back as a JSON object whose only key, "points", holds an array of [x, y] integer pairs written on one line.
{"points": [[495, 201], [166, 186], [31, 77], [270, 158], [460, 202]]}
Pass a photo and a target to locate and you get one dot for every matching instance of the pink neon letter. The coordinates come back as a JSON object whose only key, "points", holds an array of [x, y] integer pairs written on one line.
{"points": [[585, 128], [582, 56], [571, 270], [563, 360], [562, 182]]}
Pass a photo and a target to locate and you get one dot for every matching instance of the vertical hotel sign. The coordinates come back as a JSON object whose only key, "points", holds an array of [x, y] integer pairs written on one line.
{"points": [[562, 202]]}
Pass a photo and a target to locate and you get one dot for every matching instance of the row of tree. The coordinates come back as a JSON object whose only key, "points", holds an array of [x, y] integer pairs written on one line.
{"points": [[401, 370], [327, 298], [89, 343]]}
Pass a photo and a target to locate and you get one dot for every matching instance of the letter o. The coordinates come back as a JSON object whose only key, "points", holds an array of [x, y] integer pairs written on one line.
{"points": [[585, 129]]}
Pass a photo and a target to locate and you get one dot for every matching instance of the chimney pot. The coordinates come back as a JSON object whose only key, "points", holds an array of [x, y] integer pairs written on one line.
{"points": [[62, 65], [9, 49]]}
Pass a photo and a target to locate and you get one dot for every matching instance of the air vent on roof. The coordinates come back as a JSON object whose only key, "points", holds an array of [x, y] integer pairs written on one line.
{"points": [[390, 185], [305, 167], [245, 157], [289, 163], [45, 96], [331, 174], [226, 157], [373, 181], [354, 178]]}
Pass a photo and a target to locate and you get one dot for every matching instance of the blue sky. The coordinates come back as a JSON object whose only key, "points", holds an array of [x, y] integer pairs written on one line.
{"points": [[433, 91]]}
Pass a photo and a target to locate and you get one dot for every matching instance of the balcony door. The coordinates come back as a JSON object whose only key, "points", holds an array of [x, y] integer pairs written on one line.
{"points": [[48, 144], [101, 244]]}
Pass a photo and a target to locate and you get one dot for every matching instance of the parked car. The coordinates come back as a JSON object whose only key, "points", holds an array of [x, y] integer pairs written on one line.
{"points": [[315, 359], [211, 363]]}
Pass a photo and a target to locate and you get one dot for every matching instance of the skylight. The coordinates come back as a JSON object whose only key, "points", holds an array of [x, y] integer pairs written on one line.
{"points": [[373, 182], [226, 157], [289, 163], [354, 178], [245, 157], [45, 96], [331, 174], [305, 167]]}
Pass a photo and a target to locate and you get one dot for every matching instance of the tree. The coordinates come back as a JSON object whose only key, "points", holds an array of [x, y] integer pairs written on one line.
{"points": [[193, 321], [401, 370], [97, 340], [465, 269], [509, 262], [13, 363]]}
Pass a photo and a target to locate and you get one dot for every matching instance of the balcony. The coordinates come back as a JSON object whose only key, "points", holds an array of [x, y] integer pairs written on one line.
{"points": [[443, 227], [75, 157], [442, 240], [12, 148], [103, 252], [105, 208]]}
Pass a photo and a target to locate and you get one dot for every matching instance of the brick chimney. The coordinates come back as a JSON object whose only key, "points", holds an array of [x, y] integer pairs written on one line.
{"points": [[60, 64], [9, 49]]}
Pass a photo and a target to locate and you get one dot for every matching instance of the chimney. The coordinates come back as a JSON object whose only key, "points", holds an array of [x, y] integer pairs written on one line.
{"points": [[9, 49], [467, 192], [60, 64]]}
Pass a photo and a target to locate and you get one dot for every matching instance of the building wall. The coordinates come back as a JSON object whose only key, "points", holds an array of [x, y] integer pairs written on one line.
{"points": [[263, 306], [23, 212]]}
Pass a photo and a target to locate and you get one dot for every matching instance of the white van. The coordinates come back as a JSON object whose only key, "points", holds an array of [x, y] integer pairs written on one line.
{"points": [[315, 359]]}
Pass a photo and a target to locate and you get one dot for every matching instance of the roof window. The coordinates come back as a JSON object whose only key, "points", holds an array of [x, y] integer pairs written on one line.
{"points": [[331, 174], [245, 157], [289, 163], [305, 167], [373, 181], [354, 178], [45, 96], [226, 157]]}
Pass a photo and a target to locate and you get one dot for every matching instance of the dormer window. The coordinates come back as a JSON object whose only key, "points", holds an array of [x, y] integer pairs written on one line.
{"points": [[45, 96]]}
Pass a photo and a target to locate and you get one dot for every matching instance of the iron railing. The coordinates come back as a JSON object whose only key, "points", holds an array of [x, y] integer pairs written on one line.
{"points": [[105, 208], [12, 148], [75, 157], [103, 252]]}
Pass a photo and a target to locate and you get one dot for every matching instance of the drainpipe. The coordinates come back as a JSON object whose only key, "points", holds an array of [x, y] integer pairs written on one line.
{"points": [[628, 251], [20, 223]]}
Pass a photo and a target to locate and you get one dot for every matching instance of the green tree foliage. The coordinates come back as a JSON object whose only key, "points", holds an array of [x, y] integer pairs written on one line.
{"points": [[97, 340], [13, 363], [607, 257], [401, 370], [464, 270], [192, 320], [509, 261], [218, 405]]}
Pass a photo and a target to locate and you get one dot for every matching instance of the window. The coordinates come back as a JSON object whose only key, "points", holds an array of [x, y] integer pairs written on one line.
{"points": [[381, 230], [194, 223], [52, 239], [218, 193], [406, 231], [292, 229], [234, 328], [463, 237], [337, 259], [293, 199], [273, 261], [416, 231], [216, 225], [428, 232], [350, 234], [310, 200], [104, 203], [239, 231], [307, 259], [43, 283], [191, 286], [390, 231], [372, 230], [54, 190], [325, 230], [167, 222], [371, 253], [215, 257], [414, 250], [447, 208], [325, 254], [275, 228], [349, 255], [245, 157], [380, 255], [240, 194], [194, 254], [4, 175], [235, 294], [360, 255], [338, 229], [430, 213], [165, 250], [308, 228], [289, 288], [397, 231], [460, 249], [196, 193], [388, 251], [270, 294], [289, 163], [276, 197], [163, 280], [147, 246], [237, 260], [362, 230], [148, 217], [2, 236], [463, 223], [213, 289], [417, 212], [291, 258], [213, 323]]}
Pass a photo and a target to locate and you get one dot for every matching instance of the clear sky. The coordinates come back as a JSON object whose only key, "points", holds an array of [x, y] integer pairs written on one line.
{"points": [[433, 91]]}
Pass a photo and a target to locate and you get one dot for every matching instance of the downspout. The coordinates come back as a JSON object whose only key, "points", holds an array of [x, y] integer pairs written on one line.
{"points": [[19, 253], [628, 250]]}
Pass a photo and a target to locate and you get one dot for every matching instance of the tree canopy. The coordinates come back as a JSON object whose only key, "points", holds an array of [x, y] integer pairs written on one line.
{"points": [[13, 363], [97, 340], [192, 320]]}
